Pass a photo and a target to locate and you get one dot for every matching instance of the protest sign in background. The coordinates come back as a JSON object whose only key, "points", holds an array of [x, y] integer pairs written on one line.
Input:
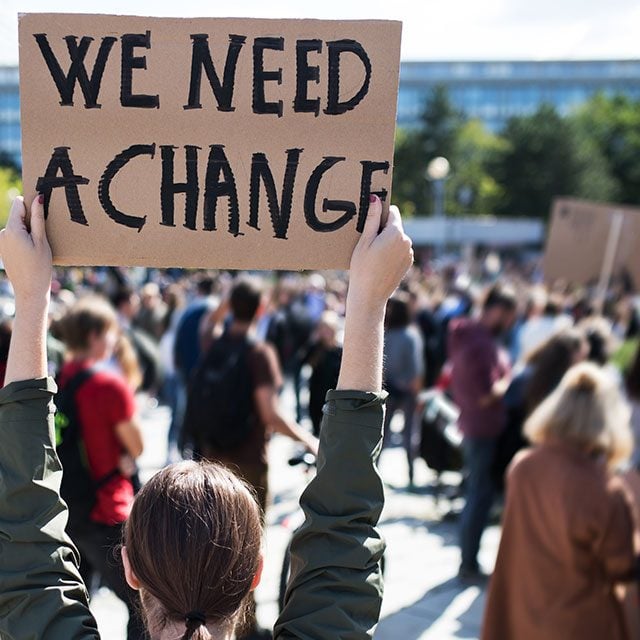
{"points": [[589, 240], [234, 143]]}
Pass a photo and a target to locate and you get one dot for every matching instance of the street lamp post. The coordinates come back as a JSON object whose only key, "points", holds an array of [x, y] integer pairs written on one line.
{"points": [[437, 172]]}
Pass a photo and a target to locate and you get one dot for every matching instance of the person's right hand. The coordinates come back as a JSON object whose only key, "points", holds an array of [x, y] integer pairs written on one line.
{"points": [[26, 253], [381, 258]]}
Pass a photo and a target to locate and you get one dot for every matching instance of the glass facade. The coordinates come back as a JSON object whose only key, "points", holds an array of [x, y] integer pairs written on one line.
{"points": [[490, 91], [10, 113], [495, 91]]}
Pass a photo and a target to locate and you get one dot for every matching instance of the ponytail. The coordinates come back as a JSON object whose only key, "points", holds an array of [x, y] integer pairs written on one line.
{"points": [[196, 623]]}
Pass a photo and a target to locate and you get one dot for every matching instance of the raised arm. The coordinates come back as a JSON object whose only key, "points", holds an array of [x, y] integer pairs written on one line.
{"points": [[42, 595], [335, 590], [27, 261]]}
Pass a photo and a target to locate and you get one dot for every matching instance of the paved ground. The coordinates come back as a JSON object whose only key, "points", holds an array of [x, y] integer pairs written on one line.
{"points": [[423, 600]]}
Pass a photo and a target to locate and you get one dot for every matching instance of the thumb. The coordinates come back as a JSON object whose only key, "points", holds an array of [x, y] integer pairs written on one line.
{"points": [[18, 214], [372, 223], [37, 219]]}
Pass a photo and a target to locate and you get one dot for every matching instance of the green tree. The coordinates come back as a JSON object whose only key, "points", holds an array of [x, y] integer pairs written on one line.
{"points": [[440, 124], [471, 189], [544, 156], [610, 127], [10, 187]]}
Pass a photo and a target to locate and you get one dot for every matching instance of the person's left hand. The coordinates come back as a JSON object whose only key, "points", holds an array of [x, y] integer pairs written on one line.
{"points": [[26, 252]]}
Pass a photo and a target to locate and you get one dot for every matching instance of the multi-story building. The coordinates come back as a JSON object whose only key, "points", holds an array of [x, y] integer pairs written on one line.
{"points": [[496, 91], [10, 113], [490, 91]]}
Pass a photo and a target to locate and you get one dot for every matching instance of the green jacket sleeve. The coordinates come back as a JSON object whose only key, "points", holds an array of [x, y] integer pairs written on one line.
{"points": [[335, 589], [41, 593]]}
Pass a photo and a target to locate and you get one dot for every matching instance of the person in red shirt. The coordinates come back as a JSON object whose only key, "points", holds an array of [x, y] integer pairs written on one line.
{"points": [[105, 406]]}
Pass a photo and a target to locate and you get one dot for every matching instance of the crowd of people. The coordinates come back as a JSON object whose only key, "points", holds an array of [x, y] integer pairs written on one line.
{"points": [[546, 381]]}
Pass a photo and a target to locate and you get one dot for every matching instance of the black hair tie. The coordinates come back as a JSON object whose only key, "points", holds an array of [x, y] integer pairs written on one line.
{"points": [[195, 616]]}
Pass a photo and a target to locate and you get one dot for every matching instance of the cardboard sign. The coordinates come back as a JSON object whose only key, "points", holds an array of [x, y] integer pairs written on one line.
{"points": [[234, 143], [579, 236]]}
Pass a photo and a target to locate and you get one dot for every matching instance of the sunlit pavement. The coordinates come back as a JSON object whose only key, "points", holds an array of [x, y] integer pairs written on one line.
{"points": [[423, 599]]}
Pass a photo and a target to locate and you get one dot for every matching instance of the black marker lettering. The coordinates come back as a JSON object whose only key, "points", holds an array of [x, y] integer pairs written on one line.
{"points": [[131, 41], [305, 74], [201, 59], [280, 212], [260, 76], [104, 186], [61, 162], [310, 196], [336, 49], [368, 169], [169, 188], [217, 166], [65, 84]]}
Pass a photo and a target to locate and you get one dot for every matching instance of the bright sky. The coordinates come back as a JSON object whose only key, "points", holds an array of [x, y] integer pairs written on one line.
{"points": [[447, 29]]}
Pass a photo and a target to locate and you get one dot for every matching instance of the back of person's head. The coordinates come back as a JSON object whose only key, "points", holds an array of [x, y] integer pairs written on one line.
{"points": [[550, 361], [586, 411], [205, 286], [246, 296], [500, 297], [398, 315], [193, 543], [554, 306], [600, 338], [123, 296], [90, 316]]}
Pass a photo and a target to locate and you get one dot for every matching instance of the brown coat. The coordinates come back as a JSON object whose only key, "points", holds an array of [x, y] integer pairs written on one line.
{"points": [[567, 539]]}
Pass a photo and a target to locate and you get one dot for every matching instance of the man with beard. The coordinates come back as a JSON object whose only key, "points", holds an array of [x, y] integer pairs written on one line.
{"points": [[480, 376]]}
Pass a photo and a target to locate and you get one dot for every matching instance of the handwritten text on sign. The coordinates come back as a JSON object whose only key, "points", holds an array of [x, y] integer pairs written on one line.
{"points": [[207, 142]]}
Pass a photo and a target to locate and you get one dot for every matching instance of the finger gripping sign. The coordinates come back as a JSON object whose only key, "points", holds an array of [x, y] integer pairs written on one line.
{"points": [[230, 143]]}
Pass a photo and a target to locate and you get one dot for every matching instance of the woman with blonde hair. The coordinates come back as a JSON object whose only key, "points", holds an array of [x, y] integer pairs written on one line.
{"points": [[568, 531]]}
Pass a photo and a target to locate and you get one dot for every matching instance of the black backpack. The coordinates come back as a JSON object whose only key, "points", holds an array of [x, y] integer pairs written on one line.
{"points": [[78, 488], [220, 406], [441, 444]]}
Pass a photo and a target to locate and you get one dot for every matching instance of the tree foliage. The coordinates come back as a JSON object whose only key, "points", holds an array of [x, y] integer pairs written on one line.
{"points": [[10, 187], [593, 153]]}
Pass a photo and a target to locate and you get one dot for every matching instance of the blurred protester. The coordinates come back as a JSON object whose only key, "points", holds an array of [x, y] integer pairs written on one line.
{"points": [[151, 314], [187, 351], [632, 384], [403, 372], [104, 405], [547, 364], [126, 362], [324, 358], [544, 368], [127, 304], [233, 401], [480, 376], [291, 330], [432, 340], [174, 301], [544, 318], [567, 535]]}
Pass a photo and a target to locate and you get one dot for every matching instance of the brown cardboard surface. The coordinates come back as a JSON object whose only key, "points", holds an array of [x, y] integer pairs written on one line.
{"points": [[578, 239], [93, 137]]}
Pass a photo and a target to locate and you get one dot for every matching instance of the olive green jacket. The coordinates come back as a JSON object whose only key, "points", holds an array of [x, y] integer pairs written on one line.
{"points": [[335, 591]]}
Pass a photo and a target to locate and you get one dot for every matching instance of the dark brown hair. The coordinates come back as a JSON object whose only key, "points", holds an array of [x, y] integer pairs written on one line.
{"points": [[193, 541], [398, 314], [245, 299], [500, 296], [549, 362], [89, 316], [633, 378]]}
